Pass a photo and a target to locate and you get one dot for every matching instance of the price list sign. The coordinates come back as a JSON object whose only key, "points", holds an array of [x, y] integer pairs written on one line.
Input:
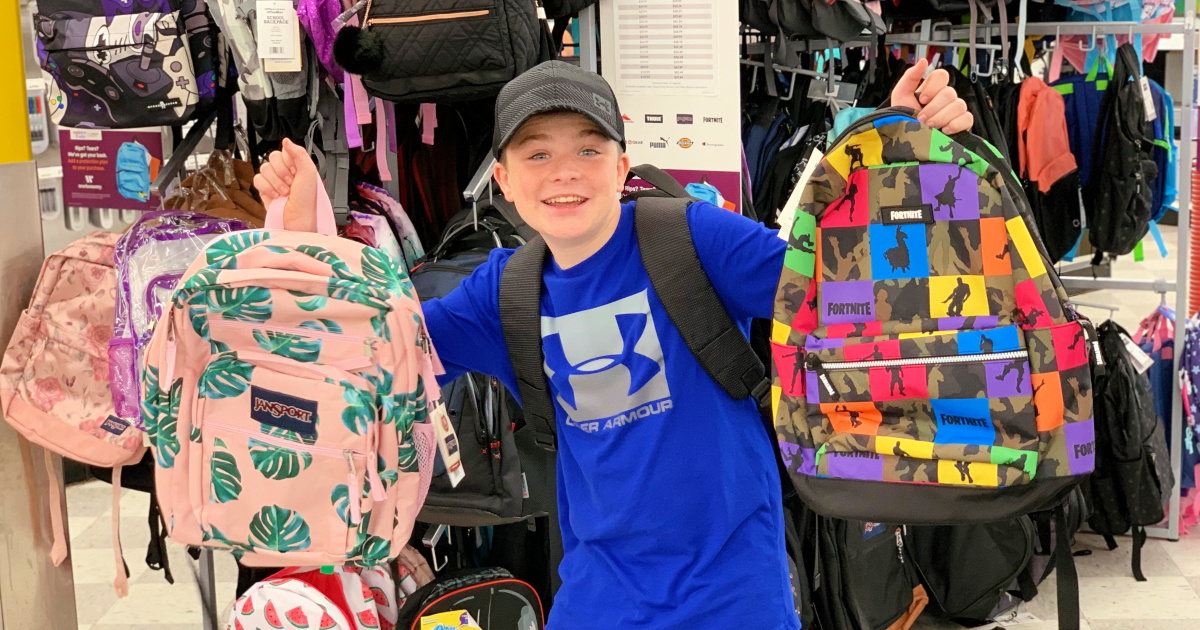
{"points": [[666, 45]]}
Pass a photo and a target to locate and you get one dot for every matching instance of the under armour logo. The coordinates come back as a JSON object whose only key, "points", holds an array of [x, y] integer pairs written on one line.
{"points": [[641, 368], [603, 103]]}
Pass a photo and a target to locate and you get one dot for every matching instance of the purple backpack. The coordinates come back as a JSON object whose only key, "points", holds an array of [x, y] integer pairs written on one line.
{"points": [[150, 258]]}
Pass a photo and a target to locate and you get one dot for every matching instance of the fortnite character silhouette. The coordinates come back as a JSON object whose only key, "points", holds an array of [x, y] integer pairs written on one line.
{"points": [[1020, 462], [898, 256], [946, 198], [1003, 253], [877, 353], [1078, 337], [854, 421], [1019, 366], [897, 451], [812, 304], [958, 299], [958, 155], [964, 471], [797, 366], [1038, 388], [1030, 318], [897, 381], [806, 244], [985, 344], [851, 193], [854, 152]]}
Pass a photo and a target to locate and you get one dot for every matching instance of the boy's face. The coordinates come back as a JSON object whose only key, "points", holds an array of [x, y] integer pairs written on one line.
{"points": [[565, 177]]}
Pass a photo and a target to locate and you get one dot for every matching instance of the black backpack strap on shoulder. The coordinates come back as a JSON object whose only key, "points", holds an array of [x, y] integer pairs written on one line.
{"points": [[521, 321], [659, 179], [670, 258], [1068, 577]]}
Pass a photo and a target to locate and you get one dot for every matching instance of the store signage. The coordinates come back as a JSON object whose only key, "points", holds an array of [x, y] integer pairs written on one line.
{"points": [[110, 169]]}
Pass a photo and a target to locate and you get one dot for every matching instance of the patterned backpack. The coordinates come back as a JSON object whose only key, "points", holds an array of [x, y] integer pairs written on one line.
{"points": [[927, 368], [285, 394], [346, 599], [54, 378], [140, 63], [150, 258]]}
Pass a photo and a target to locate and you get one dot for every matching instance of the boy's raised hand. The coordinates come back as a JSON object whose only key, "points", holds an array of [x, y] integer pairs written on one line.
{"points": [[290, 173], [937, 103]]}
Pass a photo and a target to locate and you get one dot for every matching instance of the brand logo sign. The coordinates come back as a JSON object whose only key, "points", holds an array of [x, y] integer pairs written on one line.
{"points": [[685, 143], [283, 411], [716, 120], [683, 119], [607, 365], [114, 425], [899, 215], [661, 144], [654, 118]]}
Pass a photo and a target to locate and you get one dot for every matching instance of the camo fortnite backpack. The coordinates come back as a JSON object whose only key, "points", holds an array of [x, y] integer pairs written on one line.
{"points": [[112, 64], [927, 368]]}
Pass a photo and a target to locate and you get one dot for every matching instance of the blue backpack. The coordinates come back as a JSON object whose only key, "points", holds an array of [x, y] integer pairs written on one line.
{"points": [[133, 171]]}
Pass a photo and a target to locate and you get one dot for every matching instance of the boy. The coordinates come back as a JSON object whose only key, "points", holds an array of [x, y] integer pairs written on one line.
{"points": [[673, 520]]}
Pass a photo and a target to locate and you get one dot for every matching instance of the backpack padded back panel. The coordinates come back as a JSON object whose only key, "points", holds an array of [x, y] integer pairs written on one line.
{"points": [[924, 362]]}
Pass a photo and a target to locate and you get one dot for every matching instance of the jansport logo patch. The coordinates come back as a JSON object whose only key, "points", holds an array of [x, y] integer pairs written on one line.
{"points": [[899, 215], [114, 425], [607, 364], [283, 411]]}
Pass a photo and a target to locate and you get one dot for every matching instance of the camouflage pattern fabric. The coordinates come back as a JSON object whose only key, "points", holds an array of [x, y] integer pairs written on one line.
{"points": [[111, 64], [919, 335]]}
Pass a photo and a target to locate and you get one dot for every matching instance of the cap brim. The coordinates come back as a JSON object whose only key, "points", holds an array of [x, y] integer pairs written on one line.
{"points": [[603, 125]]}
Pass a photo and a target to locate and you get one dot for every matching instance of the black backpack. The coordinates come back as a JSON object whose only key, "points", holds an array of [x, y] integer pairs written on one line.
{"points": [[435, 51], [1119, 193], [483, 411], [493, 597], [1126, 491]]}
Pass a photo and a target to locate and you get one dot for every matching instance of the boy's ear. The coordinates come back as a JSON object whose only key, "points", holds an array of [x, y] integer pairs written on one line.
{"points": [[501, 175], [623, 167]]}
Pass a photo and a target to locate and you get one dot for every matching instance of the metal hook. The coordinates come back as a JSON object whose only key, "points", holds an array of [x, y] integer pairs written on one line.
{"points": [[1091, 42]]}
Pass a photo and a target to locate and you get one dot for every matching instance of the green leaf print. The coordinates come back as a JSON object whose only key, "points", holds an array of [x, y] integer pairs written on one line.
{"points": [[279, 529], [389, 477], [299, 438], [278, 463], [361, 408], [382, 330], [226, 479], [225, 377], [275, 249], [382, 380], [214, 534], [323, 325], [407, 460], [316, 303], [202, 278], [340, 498], [198, 315], [289, 346], [339, 266], [374, 550], [222, 253], [381, 269], [166, 446], [247, 304], [150, 401], [195, 436]]}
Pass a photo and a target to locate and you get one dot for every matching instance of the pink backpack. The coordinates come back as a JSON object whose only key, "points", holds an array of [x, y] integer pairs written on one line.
{"points": [[54, 378], [285, 392]]}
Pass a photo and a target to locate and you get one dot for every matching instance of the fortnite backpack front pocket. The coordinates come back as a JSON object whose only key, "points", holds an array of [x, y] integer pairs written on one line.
{"points": [[947, 408]]}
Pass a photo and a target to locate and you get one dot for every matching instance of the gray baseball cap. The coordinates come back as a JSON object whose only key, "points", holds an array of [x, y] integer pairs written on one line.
{"points": [[556, 86]]}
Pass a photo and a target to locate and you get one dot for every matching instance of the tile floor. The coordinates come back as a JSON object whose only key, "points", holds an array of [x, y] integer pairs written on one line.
{"points": [[1110, 598]]}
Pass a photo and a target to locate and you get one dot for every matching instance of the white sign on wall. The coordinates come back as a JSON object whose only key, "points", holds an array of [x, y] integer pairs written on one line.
{"points": [[673, 65]]}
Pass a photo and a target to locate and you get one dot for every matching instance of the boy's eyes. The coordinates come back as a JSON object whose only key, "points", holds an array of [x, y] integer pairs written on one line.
{"points": [[541, 155]]}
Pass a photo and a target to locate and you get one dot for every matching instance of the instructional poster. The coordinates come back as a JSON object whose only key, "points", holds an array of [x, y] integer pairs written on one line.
{"points": [[673, 65], [110, 169]]}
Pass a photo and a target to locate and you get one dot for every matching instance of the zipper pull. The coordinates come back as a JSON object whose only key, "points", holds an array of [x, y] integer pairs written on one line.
{"points": [[900, 545], [352, 490], [377, 491], [369, 345], [823, 376]]}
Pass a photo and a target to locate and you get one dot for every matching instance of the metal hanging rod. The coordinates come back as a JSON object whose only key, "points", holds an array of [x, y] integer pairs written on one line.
{"points": [[917, 39], [1158, 285], [1081, 28]]}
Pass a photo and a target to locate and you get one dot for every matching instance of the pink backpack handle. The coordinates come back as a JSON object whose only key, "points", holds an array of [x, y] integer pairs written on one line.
{"points": [[326, 223]]}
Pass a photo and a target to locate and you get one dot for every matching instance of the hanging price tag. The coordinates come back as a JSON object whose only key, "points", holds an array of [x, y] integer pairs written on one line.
{"points": [[1147, 100], [447, 444], [278, 35], [1141, 360]]}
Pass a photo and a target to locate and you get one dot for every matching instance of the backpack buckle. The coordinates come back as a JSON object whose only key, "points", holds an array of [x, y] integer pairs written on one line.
{"points": [[547, 441], [761, 392]]}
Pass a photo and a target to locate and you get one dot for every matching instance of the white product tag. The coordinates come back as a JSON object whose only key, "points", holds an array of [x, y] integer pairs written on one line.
{"points": [[787, 216], [524, 486], [1141, 360], [1147, 100], [447, 444], [1017, 619], [277, 30]]}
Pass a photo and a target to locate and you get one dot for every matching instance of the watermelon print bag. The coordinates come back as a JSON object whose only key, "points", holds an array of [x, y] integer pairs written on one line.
{"points": [[297, 599], [285, 393], [926, 367]]}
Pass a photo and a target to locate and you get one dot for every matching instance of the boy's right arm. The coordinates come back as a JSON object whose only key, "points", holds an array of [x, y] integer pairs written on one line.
{"points": [[465, 325]]}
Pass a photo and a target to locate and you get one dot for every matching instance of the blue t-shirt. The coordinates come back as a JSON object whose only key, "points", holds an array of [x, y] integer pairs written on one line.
{"points": [[668, 491]]}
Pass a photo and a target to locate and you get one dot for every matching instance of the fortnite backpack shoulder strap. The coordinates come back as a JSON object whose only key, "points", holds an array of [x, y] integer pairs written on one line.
{"points": [[670, 258]]}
